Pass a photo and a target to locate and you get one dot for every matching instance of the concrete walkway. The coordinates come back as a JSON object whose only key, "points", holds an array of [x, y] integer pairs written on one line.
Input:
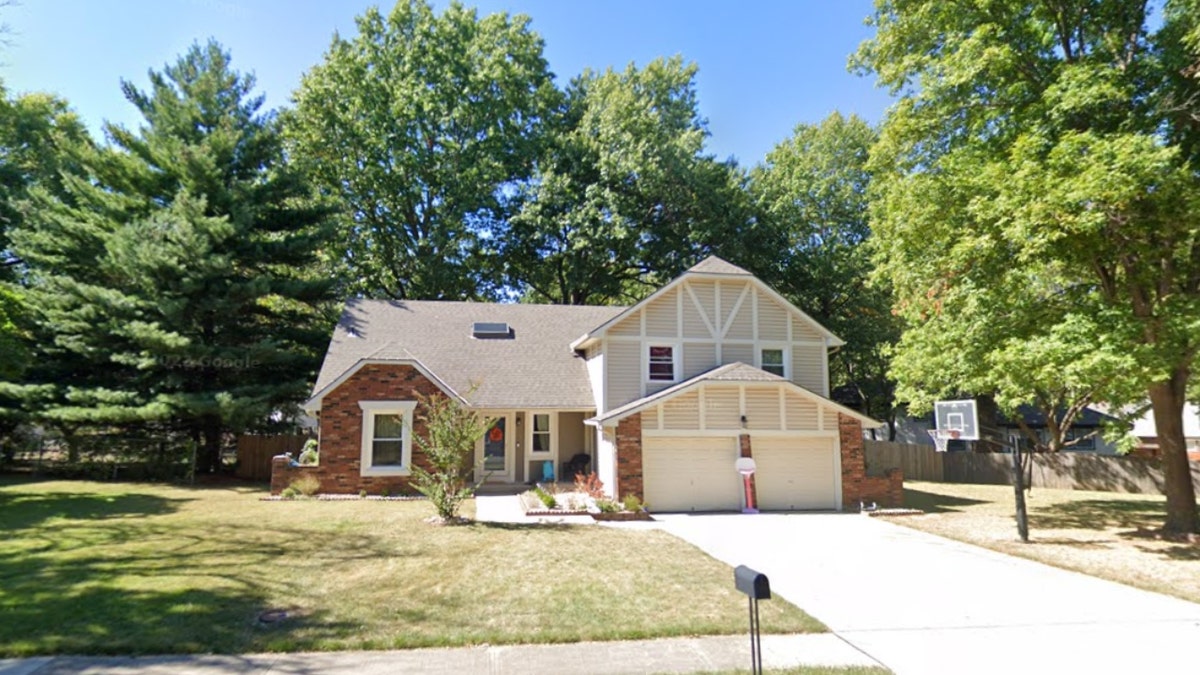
{"points": [[921, 604], [680, 655]]}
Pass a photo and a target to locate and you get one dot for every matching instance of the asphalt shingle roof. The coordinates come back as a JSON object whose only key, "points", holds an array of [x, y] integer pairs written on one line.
{"points": [[536, 368]]}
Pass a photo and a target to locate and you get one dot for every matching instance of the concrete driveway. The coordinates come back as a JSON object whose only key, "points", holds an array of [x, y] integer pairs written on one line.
{"points": [[921, 604]]}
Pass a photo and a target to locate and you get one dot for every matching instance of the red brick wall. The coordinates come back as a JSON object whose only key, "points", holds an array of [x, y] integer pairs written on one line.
{"points": [[629, 458], [885, 491], [748, 451], [341, 422]]}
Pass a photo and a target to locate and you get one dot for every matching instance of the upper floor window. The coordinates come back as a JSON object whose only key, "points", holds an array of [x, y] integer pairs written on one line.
{"points": [[662, 363], [772, 361]]}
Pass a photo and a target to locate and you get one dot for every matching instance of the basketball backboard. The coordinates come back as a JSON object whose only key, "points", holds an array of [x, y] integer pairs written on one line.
{"points": [[960, 416]]}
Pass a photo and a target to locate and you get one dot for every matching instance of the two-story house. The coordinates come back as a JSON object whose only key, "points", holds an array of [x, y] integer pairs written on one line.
{"points": [[660, 398]]}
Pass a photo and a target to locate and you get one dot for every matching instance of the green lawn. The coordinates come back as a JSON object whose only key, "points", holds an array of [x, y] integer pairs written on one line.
{"points": [[1104, 534], [102, 568]]}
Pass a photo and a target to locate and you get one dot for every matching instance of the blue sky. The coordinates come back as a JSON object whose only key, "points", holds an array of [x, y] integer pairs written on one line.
{"points": [[764, 66]]}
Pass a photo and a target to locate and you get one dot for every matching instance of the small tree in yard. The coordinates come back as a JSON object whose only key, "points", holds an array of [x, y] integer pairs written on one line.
{"points": [[451, 432]]}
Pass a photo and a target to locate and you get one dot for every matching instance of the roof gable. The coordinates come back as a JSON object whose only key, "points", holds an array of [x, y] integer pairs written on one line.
{"points": [[716, 269]]}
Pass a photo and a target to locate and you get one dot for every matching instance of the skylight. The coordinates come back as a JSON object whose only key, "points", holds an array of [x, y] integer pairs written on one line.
{"points": [[491, 330]]}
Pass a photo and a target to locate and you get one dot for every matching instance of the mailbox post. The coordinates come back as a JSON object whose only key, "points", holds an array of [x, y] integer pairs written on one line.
{"points": [[746, 467], [756, 587]]}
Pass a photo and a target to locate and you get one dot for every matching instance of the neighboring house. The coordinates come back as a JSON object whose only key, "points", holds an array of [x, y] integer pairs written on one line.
{"points": [[1147, 432], [661, 398], [1088, 428]]}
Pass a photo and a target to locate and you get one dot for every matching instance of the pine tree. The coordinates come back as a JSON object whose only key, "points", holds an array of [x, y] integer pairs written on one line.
{"points": [[175, 281]]}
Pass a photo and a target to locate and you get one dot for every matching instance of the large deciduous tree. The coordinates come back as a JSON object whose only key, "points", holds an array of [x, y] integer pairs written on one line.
{"points": [[1042, 161], [811, 191], [422, 125], [624, 196], [171, 282]]}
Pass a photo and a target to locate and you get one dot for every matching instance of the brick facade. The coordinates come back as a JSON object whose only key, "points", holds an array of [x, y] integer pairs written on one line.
{"points": [[341, 421], [886, 490], [747, 450], [629, 458]]}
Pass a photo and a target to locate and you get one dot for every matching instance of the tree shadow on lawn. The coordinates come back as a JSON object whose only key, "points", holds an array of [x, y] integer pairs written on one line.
{"points": [[931, 502], [19, 511], [1097, 514], [145, 587]]}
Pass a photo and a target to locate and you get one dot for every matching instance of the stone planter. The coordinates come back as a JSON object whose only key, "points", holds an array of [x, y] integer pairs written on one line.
{"points": [[622, 515]]}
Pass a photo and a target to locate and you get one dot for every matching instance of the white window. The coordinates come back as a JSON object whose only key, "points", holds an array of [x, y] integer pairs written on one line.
{"points": [[387, 437], [661, 363], [773, 360], [540, 442]]}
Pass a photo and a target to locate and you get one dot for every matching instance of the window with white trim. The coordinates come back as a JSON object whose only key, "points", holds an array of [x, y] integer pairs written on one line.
{"points": [[540, 443], [773, 360], [386, 437], [661, 363]]}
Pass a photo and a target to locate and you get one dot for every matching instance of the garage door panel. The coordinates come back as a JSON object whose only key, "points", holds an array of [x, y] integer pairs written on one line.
{"points": [[795, 473], [691, 474]]}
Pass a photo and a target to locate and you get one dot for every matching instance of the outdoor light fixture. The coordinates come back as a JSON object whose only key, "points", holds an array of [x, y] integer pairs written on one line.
{"points": [[743, 421]]}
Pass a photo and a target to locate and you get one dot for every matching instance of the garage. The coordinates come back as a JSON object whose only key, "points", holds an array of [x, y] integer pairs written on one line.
{"points": [[795, 473], [691, 473]]}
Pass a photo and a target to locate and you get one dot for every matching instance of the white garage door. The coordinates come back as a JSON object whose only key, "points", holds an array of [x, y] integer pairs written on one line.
{"points": [[691, 474], [794, 473]]}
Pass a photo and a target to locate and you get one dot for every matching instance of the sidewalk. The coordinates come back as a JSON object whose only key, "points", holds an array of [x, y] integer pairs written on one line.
{"points": [[672, 655]]}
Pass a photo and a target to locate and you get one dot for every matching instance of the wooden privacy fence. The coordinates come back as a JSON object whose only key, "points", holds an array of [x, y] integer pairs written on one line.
{"points": [[254, 453], [1062, 470]]}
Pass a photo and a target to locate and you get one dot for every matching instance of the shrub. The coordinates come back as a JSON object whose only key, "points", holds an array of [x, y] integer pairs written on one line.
{"points": [[452, 430], [289, 493], [362, 494], [306, 485], [547, 498], [590, 485], [308, 456], [607, 506], [632, 503]]}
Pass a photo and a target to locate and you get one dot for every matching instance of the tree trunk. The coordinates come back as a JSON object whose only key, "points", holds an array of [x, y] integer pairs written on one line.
{"points": [[210, 455], [1167, 399], [1018, 481]]}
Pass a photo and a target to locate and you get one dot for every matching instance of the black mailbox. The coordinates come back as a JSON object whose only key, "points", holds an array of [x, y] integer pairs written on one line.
{"points": [[753, 584]]}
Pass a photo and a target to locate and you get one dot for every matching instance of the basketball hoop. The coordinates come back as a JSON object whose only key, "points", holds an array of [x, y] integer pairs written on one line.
{"points": [[942, 437]]}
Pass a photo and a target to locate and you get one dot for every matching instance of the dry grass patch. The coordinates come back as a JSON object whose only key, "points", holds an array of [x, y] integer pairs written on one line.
{"points": [[1104, 534], [95, 568]]}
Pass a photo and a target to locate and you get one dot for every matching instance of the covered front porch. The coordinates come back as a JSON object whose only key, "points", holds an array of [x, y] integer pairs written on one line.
{"points": [[529, 446]]}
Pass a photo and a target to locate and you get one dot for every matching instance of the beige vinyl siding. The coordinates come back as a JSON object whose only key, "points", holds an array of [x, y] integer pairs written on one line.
{"points": [[630, 325], [681, 413], [705, 292], [804, 330], [734, 353], [693, 323], [808, 369], [762, 407], [772, 319], [801, 413], [730, 291], [722, 408], [662, 315], [698, 358], [655, 386], [624, 361], [741, 326]]}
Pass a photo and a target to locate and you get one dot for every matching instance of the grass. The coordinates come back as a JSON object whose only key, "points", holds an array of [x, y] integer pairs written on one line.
{"points": [[1104, 534], [102, 568]]}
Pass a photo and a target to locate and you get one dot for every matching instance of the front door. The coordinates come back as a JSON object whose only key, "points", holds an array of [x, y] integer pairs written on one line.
{"points": [[497, 450]]}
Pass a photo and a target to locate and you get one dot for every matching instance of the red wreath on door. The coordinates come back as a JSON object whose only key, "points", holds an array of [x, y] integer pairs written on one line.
{"points": [[496, 435]]}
